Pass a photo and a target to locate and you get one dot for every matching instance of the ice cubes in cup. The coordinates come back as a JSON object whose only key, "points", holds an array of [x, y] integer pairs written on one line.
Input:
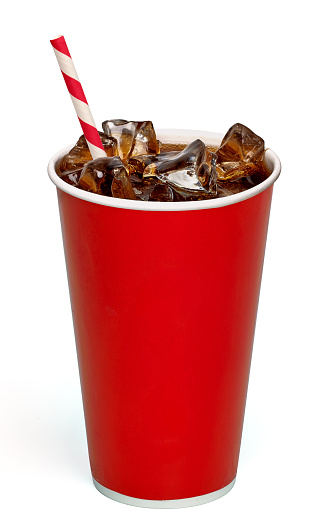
{"points": [[139, 167]]}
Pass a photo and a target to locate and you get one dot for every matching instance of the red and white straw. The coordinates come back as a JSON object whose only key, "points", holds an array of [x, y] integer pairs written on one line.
{"points": [[78, 98]]}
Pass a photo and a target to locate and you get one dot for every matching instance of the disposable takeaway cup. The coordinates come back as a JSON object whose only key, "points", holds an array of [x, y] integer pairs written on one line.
{"points": [[164, 300]]}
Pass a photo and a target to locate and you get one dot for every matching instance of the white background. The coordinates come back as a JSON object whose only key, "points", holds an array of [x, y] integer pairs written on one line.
{"points": [[202, 65]]}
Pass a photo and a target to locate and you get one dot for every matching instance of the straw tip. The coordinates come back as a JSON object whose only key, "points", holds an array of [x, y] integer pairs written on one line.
{"points": [[57, 37], [60, 45]]}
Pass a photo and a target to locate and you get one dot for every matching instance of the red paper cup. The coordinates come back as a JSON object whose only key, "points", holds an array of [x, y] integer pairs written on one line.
{"points": [[164, 300]]}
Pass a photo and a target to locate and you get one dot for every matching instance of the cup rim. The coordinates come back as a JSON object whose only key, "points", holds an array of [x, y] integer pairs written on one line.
{"points": [[171, 136]]}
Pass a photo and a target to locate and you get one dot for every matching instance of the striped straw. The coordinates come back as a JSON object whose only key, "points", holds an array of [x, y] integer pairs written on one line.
{"points": [[78, 98]]}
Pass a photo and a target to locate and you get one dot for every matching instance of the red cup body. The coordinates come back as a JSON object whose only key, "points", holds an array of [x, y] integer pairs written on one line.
{"points": [[164, 307]]}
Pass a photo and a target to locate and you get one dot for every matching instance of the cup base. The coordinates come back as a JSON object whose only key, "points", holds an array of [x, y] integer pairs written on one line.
{"points": [[164, 504]]}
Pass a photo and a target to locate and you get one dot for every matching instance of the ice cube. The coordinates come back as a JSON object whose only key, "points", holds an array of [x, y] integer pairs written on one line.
{"points": [[133, 138], [240, 154], [228, 187], [162, 192], [143, 188], [121, 187], [138, 164], [69, 176], [80, 153], [193, 169], [106, 176]]}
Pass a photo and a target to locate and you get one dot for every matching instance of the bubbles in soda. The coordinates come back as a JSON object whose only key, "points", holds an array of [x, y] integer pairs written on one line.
{"points": [[139, 167]]}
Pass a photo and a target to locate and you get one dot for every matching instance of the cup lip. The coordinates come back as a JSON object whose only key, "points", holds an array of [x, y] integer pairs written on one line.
{"points": [[171, 136]]}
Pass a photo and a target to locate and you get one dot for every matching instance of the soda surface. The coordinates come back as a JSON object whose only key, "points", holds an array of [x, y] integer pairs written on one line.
{"points": [[139, 167]]}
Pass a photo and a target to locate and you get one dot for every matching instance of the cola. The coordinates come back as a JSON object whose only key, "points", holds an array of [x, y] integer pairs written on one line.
{"points": [[139, 167]]}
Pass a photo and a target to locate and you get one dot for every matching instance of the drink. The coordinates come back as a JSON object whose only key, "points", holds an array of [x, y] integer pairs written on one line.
{"points": [[139, 167], [164, 298]]}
